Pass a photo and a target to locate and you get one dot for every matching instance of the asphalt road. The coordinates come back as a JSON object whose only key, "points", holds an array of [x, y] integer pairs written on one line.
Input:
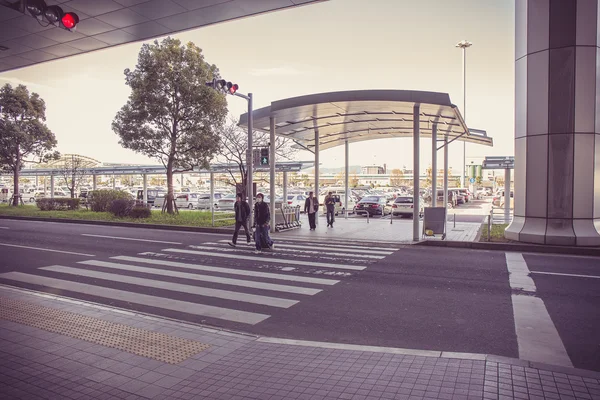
{"points": [[359, 293]]}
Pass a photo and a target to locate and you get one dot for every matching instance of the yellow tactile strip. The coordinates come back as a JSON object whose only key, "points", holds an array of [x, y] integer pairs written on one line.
{"points": [[154, 345]]}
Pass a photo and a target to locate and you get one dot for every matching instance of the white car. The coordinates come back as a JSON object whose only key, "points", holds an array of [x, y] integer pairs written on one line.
{"points": [[296, 200], [187, 200], [226, 203]]}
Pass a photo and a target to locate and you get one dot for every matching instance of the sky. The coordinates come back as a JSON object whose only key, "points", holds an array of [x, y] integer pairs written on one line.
{"points": [[332, 46]]}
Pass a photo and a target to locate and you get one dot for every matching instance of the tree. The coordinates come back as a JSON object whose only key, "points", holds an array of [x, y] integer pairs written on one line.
{"points": [[234, 145], [171, 114], [24, 136], [353, 180], [73, 172], [396, 177]]}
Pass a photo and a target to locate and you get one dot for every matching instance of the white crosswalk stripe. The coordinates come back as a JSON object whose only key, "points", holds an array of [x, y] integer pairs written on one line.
{"points": [[205, 278], [175, 287], [139, 298], [282, 248], [268, 260], [346, 245], [210, 290]]}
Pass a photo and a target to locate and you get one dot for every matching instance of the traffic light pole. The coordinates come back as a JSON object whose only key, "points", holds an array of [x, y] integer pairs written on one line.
{"points": [[249, 160]]}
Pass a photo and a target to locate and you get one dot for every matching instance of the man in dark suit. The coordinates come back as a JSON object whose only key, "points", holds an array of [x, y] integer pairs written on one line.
{"points": [[311, 206], [242, 214]]}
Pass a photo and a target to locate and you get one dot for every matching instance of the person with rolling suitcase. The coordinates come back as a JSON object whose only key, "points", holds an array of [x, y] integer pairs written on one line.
{"points": [[262, 217]]}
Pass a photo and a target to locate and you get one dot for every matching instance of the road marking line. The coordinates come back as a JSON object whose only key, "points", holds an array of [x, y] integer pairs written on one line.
{"points": [[174, 287], [270, 260], [356, 248], [353, 347], [125, 238], [50, 250], [280, 248], [561, 274], [205, 278], [139, 298], [4, 227], [537, 336], [232, 271]]}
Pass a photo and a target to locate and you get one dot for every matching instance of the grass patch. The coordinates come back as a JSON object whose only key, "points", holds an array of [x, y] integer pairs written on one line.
{"points": [[497, 234], [184, 218]]}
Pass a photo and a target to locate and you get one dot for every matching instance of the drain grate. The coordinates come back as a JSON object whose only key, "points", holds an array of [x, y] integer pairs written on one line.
{"points": [[154, 345]]}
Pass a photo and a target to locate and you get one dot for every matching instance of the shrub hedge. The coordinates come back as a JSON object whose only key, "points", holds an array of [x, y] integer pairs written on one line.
{"points": [[47, 204], [101, 200], [140, 212], [121, 207]]}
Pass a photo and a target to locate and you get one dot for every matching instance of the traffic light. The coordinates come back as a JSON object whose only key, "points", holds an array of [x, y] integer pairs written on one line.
{"points": [[53, 14], [223, 86], [264, 156]]}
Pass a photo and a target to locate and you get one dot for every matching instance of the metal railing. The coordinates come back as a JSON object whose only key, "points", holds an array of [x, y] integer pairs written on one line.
{"points": [[291, 218]]}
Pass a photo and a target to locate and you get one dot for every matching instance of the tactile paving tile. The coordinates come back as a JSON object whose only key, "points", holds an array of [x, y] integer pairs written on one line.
{"points": [[155, 345]]}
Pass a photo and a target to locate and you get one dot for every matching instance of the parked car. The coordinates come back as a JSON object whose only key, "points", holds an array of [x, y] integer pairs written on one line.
{"points": [[460, 199], [404, 205], [452, 202], [373, 205], [466, 193], [187, 200], [226, 203], [152, 194], [58, 194], [296, 200], [204, 200], [498, 200]]}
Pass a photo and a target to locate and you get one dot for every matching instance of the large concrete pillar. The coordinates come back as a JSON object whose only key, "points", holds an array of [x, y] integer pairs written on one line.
{"points": [[557, 128]]}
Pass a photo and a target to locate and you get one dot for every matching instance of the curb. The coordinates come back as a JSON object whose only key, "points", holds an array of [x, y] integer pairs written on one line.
{"points": [[516, 247], [324, 345], [121, 224]]}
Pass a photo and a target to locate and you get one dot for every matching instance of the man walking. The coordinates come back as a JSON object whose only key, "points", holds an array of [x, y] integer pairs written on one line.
{"points": [[311, 206], [242, 214], [330, 205], [262, 217]]}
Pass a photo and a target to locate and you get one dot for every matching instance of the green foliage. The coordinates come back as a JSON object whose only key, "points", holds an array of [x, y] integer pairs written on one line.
{"points": [[121, 207], [47, 204], [171, 114], [496, 234], [194, 218], [24, 135], [100, 200], [139, 212]]}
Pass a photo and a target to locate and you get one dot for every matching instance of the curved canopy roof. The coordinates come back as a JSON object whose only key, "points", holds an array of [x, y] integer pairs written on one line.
{"points": [[363, 115]]}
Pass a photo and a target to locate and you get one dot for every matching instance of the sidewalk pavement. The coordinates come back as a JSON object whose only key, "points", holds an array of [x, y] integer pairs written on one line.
{"points": [[57, 348]]}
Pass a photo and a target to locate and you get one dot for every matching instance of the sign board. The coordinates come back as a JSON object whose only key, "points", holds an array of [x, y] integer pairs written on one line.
{"points": [[256, 157], [472, 180]]}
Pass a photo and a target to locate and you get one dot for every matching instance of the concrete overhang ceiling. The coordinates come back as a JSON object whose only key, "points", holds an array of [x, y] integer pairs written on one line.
{"points": [[25, 40]]}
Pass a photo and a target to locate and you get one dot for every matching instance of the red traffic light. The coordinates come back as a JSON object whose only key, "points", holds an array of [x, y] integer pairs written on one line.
{"points": [[70, 20], [232, 87]]}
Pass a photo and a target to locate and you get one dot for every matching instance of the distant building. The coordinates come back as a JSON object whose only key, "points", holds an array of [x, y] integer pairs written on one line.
{"points": [[373, 170]]}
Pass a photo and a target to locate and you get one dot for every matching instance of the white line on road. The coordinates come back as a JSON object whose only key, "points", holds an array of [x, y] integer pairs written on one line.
{"points": [[537, 337], [305, 250], [125, 238], [175, 287], [4, 227], [337, 245], [205, 278], [42, 249], [269, 260], [139, 298], [232, 271], [561, 274]]}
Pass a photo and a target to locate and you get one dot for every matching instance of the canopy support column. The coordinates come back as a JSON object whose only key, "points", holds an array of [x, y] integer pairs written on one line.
{"points": [[346, 178], [272, 171], [51, 186], [416, 168], [434, 166], [94, 181], [507, 196], [317, 172], [446, 174]]}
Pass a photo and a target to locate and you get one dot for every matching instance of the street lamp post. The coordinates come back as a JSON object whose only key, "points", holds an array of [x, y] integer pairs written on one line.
{"points": [[464, 44]]}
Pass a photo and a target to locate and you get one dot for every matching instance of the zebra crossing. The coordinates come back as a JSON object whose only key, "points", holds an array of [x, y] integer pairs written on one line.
{"points": [[209, 280]]}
